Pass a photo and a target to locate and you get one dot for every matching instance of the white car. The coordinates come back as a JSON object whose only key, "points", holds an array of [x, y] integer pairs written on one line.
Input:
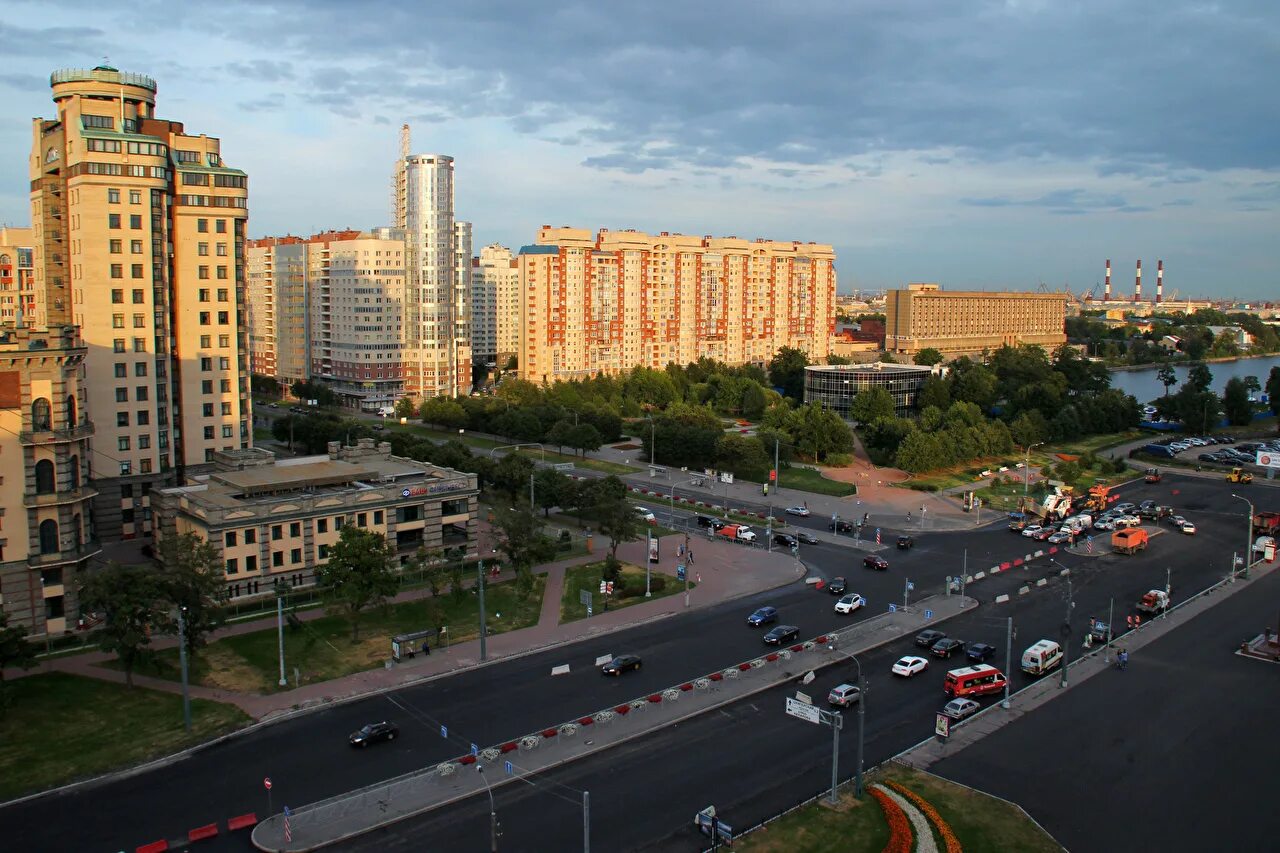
{"points": [[1031, 530], [798, 510], [646, 514], [1104, 524], [909, 666], [1187, 528], [850, 603], [1177, 521], [1127, 521], [1060, 537]]}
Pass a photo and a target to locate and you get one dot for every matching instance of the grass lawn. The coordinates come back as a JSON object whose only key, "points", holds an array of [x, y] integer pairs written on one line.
{"points": [[323, 650], [808, 480], [1092, 444], [61, 727], [982, 824], [262, 434], [588, 576]]}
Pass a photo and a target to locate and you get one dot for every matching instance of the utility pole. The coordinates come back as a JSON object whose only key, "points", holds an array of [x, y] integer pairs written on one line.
{"points": [[1008, 661], [837, 723], [493, 814], [182, 655], [1111, 615], [1066, 630], [533, 507], [1248, 538], [483, 628], [280, 632], [906, 591], [1168, 591], [1026, 466], [586, 822]]}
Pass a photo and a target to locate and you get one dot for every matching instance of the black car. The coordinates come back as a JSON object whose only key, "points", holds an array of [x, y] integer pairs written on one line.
{"points": [[905, 542], [874, 561], [946, 647], [926, 639], [840, 526], [837, 586], [806, 538], [374, 732], [706, 521], [786, 540], [980, 652], [781, 634], [620, 664]]}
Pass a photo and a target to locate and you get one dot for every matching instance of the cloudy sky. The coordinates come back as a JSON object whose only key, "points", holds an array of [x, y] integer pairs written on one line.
{"points": [[981, 143]]}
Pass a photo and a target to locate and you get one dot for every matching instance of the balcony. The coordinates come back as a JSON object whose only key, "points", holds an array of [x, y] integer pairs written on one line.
{"points": [[65, 496], [56, 436], [74, 555]]}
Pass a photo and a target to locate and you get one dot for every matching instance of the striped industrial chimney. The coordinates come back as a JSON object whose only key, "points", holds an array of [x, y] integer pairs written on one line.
{"points": [[1106, 289], [1159, 281], [1137, 283]]}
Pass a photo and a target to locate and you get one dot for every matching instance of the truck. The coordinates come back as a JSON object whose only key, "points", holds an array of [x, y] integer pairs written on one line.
{"points": [[1098, 498], [1151, 475], [1239, 475], [737, 532], [1130, 540], [1153, 602], [1266, 523]]}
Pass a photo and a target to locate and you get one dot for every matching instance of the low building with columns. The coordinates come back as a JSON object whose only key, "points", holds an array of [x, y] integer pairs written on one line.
{"points": [[277, 519]]}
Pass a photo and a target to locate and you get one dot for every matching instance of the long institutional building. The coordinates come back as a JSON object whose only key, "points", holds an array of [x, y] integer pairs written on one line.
{"points": [[966, 322], [607, 301]]}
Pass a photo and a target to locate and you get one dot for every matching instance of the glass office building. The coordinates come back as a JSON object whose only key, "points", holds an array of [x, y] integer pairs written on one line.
{"points": [[836, 385]]}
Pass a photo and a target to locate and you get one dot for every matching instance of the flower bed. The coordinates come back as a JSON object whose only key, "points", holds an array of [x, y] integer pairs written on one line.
{"points": [[900, 836], [944, 829]]}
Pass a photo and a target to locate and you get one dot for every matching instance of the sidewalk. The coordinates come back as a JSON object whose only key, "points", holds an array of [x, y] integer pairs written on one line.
{"points": [[726, 570]]}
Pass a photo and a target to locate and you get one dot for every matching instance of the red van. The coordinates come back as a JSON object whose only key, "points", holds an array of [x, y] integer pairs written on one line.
{"points": [[979, 680]]}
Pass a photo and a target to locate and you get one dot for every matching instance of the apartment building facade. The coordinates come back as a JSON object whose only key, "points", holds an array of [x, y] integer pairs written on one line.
{"points": [[495, 305], [18, 303], [276, 520], [605, 302], [965, 322], [279, 290], [437, 296], [138, 237], [47, 534]]}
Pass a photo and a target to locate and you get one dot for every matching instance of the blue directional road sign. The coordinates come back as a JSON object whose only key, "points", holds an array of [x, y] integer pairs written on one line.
{"points": [[893, 608], [928, 614], [475, 750], [510, 769], [444, 731]]}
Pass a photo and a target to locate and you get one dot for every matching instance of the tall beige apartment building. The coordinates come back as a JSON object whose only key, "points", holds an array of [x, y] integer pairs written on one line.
{"points": [[47, 533], [332, 308], [139, 240], [18, 302], [616, 299], [279, 345], [959, 322], [495, 304]]}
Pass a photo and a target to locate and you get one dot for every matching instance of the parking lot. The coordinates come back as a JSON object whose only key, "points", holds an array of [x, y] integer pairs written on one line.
{"points": [[1223, 451]]}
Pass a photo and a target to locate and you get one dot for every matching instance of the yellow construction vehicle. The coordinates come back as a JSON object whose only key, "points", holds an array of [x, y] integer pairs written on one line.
{"points": [[1239, 475]]}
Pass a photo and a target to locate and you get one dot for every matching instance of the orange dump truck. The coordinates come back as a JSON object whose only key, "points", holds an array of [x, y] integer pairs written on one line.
{"points": [[1130, 540]]}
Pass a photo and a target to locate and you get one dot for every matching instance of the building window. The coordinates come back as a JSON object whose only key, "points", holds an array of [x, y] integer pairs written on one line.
{"points": [[377, 516], [250, 564], [295, 556], [117, 345], [202, 225], [232, 564], [324, 552], [116, 246], [277, 558], [222, 271], [135, 220], [144, 418], [204, 294], [113, 196], [122, 443], [140, 369], [140, 392], [117, 270], [45, 484], [202, 272], [202, 249], [139, 298], [206, 386], [113, 220], [295, 528], [41, 414], [139, 321], [117, 321], [230, 539], [223, 318], [207, 410], [135, 247], [322, 525], [144, 442], [221, 226], [222, 294], [122, 419], [48, 536], [122, 395], [135, 197], [250, 536], [135, 271], [277, 531], [126, 468], [208, 434], [226, 431], [139, 344]]}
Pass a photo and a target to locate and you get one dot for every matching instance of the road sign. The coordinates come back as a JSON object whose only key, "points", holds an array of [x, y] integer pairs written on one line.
{"points": [[606, 587], [877, 535], [804, 697], [475, 750], [266, 783], [444, 731], [584, 597], [928, 614], [911, 587], [563, 466], [798, 709], [942, 726], [893, 608], [510, 769], [773, 474], [681, 572]]}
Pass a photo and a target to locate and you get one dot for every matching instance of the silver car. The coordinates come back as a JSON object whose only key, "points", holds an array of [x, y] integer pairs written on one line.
{"points": [[958, 709]]}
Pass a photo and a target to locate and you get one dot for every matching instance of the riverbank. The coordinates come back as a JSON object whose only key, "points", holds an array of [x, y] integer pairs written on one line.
{"points": [[1186, 362]]}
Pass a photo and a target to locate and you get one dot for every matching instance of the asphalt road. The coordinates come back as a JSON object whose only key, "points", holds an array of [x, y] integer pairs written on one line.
{"points": [[748, 777]]}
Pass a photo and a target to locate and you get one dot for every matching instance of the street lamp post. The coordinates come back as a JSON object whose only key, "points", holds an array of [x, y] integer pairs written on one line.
{"points": [[182, 654], [862, 710], [1026, 466], [493, 814], [1248, 536]]}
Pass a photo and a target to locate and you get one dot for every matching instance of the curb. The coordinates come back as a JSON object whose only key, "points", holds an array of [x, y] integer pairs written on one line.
{"points": [[271, 718]]}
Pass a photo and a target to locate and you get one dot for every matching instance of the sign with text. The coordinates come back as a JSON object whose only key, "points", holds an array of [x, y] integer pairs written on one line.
{"points": [[1267, 459], [803, 710], [942, 726]]}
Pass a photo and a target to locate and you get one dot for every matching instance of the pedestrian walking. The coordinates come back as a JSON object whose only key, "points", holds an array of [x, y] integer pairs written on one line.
{"points": [[699, 577], [691, 556], [1122, 660], [680, 550]]}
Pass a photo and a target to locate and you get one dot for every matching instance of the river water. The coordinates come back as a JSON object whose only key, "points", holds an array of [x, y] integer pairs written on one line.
{"points": [[1144, 385]]}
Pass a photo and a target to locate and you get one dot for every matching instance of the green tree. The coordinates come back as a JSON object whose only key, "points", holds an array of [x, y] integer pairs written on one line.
{"points": [[921, 451], [616, 515], [1252, 385], [1235, 402], [786, 371], [193, 580], [754, 401], [444, 413], [550, 489], [870, 405], [359, 573], [523, 543], [744, 456], [819, 431], [935, 391], [1029, 428], [267, 385], [132, 603], [318, 391], [560, 434], [1168, 377], [405, 407], [585, 438], [929, 357], [1199, 378], [15, 650], [1273, 390], [510, 476], [1198, 410], [976, 385]]}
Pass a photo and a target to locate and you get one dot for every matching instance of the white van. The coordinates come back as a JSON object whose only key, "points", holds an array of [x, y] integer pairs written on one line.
{"points": [[1042, 657], [387, 411]]}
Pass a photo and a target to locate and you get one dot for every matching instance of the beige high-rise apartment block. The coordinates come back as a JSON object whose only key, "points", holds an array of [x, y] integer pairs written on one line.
{"points": [[610, 301], [495, 304], [18, 302], [959, 322], [48, 536], [279, 344], [139, 240]]}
